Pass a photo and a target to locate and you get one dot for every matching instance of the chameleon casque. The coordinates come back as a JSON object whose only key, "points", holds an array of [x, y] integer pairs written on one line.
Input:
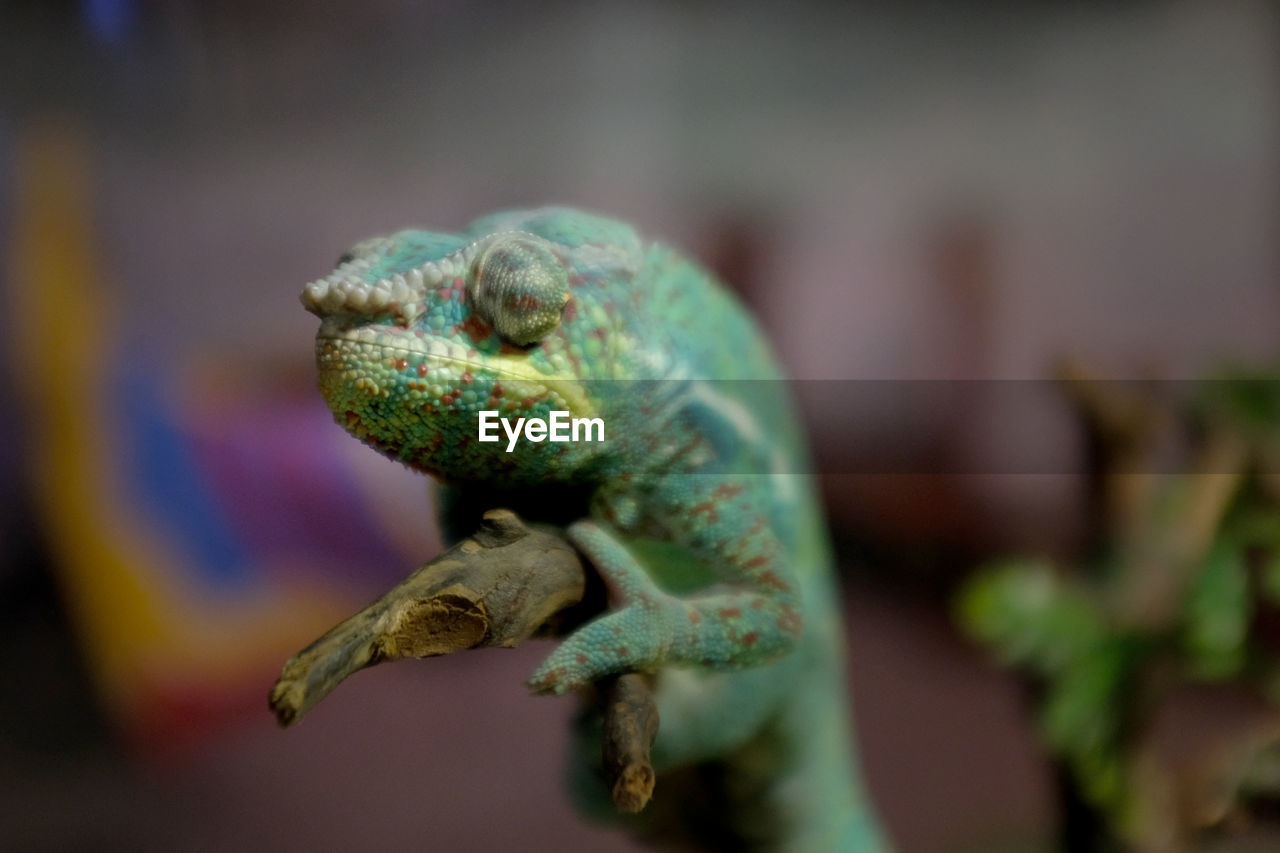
{"points": [[696, 510]]}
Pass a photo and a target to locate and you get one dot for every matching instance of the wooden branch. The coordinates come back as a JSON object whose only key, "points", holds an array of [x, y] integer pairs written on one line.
{"points": [[1163, 550], [1125, 421], [630, 725], [1122, 425], [499, 587]]}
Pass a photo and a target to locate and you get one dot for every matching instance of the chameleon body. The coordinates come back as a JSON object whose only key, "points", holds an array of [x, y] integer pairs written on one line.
{"points": [[695, 509]]}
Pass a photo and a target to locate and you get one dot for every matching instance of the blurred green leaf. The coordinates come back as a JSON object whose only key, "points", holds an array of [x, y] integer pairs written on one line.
{"points": [[1269, 577], [1079, 711], [1081, 718], [1029, 616], [1100, 774], [1259, 529], [1249, 401], [1217, 613]]}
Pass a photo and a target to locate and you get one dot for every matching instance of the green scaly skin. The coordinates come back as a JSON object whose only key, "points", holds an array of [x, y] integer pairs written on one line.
{"points": [[696, 509]]}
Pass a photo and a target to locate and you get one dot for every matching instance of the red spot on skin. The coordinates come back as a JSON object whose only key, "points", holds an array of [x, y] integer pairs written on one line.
{"points": [[402, 364], [750, 638], [727, 490], [475, 328], [522, 302], [694, 617], [497, 391], [756, 562], [527, 403], [708, 508], [580, 658], [510, 349], [617, 632], [427, 407], [758, 604], [422, 369], [770, 579], [458, 284], [446, 400], [730, 613], [790, 622], [599, 332], [571, 307], [622, 651], [467, 378], [575, 280]]}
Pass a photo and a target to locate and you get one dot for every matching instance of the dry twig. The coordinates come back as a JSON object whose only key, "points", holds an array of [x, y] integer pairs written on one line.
{"points": [[501, 586]]}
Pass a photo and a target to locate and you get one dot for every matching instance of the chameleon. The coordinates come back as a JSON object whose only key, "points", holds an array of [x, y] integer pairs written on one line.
{"points": [[696, 508]]}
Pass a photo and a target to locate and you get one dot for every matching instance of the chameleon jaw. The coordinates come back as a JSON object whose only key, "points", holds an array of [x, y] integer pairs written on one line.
{"points": [[374, 360]]}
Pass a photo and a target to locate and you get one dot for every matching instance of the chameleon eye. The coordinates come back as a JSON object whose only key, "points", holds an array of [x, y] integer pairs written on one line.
{"points": [[519, 287]]}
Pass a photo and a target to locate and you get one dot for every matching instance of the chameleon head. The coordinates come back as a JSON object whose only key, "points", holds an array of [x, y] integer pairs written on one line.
{"points": [[422, 331]]}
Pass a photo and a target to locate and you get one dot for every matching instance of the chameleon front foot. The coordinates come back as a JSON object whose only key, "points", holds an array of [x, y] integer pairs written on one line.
{"points": [[627, 640]]}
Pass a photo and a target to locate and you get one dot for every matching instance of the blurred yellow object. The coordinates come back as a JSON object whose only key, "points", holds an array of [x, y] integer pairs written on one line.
{"points": [[167, 651]]}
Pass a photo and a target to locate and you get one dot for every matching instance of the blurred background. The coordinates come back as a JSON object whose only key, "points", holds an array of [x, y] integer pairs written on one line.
{"points": [[944, 195]]}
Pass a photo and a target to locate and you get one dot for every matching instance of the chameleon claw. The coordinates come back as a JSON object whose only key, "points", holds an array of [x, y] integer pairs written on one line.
{"points": [[554, 681]]}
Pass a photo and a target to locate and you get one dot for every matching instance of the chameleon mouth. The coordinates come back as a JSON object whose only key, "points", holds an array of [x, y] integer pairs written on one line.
{"points": [[350, 348]]}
